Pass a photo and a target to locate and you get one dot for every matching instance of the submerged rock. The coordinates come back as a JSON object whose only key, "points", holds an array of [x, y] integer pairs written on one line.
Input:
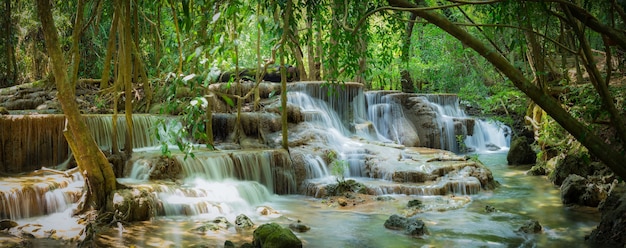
{"points": [[299, 227], [276, 236], [531, 226], [415, 203], [411, 226]]}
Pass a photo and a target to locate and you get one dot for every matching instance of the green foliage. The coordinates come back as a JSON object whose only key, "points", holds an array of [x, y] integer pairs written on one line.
{"points": [[460, 141]]}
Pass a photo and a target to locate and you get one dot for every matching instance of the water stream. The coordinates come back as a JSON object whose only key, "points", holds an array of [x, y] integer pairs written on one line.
{"points": [[372, 134], [519, 198]]}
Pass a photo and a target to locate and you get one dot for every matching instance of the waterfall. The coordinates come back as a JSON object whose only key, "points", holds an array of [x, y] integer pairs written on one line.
{"points": [[219, 182], [387, 117], [31, 196], [101, 127]]}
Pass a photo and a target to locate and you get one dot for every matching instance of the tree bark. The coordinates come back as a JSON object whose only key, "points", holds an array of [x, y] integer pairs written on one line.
{"points": [[180, 44], [106, 71], [283, 77], [99, 177], [581, 132]]}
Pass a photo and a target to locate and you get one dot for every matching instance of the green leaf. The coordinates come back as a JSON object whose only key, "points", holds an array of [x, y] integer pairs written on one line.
{"points": [[228, 100]]}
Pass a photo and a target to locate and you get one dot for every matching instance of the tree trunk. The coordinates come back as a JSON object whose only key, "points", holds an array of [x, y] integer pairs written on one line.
{"points": [[127, 48], [283, 78], [99, 177], [581, 132], [106, 71], [310, 48], [180, 44]]}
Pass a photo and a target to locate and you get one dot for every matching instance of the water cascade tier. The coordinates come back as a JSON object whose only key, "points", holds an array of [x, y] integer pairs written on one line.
{"points": [[379, 142], [371, 135]]}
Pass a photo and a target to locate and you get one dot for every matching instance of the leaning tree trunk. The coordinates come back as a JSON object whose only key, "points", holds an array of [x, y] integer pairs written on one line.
{"points": [[605, 152], [99, 177]]}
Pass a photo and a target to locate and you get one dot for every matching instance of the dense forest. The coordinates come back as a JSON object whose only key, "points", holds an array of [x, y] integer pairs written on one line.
{"points": [[553, 67]]}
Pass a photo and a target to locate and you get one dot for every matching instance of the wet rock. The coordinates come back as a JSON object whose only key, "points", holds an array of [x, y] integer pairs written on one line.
{"points": [[299, 227], [415, 203], [22, 104], [531, 226], [7, 224], [492, 147], [521, 152], [229, 244], [243, 222], [537, 170], [575, 163], [584, 191], [132, 205], [611, 231], [273, 235], [384, 198], [4, 111], [247, 245], [265, 210], [490, 209], [411, 226], [219, 223]]}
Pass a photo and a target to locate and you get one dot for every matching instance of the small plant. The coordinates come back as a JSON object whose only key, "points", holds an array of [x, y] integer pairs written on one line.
{"points": [[460, 140], [338, 168]]}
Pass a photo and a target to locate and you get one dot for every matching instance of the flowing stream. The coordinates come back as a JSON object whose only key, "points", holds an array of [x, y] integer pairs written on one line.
{"points": [[519, 198], [372, 133]]}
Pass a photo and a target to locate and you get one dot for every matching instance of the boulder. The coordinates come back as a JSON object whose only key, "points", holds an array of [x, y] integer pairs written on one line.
{"points": [[531, 226], [411, 226], [132, 205], [243, 222], [611, 232], [576, 163], [275, 236], [299, 227], [581, 191], [219, 223], [521, 152], [7, 224]]}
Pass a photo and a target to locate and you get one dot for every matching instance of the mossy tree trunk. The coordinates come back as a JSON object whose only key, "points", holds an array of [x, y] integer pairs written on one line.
{"points": [[99, 177]]}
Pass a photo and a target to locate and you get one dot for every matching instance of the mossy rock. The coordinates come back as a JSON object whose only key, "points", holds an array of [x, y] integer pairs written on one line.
{"points": [[520, 152], [274, 236]]}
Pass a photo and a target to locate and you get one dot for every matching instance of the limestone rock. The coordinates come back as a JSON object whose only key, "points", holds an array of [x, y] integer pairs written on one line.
{"points": [[611, 232], [574, 163], [531, 226], [415, 203], [132, 205], [7, 224], [4, 111], [243, 222], [521, 152], [299, 227], [219, 223], [411, 226], [581, 191], [273, 235]]}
